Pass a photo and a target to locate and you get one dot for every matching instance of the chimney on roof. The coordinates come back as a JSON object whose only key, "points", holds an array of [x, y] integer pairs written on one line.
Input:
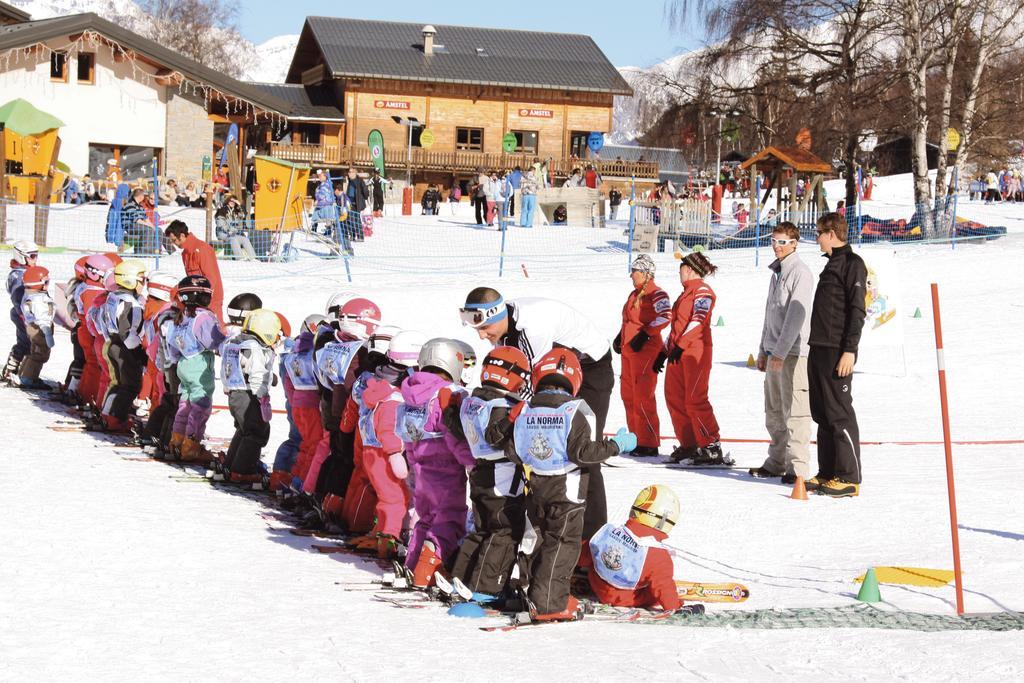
{"points": [[428, 39]]}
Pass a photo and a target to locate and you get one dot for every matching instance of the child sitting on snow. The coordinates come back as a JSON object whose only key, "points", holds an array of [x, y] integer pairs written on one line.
{"points": [[629, 566], [552, 436]]}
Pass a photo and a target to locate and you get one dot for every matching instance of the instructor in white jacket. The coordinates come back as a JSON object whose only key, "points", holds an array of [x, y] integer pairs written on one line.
{"points": [[535, 325]]}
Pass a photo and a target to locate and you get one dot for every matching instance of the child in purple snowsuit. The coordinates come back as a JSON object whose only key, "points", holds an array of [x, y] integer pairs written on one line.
{"points": [[438, 461]]}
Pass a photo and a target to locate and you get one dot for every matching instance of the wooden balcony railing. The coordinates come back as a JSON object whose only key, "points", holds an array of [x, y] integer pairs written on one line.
{"points": [[396, 160]]}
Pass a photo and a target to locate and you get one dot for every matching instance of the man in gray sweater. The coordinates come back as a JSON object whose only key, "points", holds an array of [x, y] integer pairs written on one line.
{"points": [[783, 359]]}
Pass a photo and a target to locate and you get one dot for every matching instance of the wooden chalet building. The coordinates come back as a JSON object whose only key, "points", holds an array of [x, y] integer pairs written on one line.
{"points": [[468, 86]]}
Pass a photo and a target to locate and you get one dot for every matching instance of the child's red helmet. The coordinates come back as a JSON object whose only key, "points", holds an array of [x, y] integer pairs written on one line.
{"points": [[36, 277], [559, 364], [507, 367]]}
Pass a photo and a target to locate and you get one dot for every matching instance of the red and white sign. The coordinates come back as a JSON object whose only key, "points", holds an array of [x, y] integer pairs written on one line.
{"points": [[536, 113], [391, 104]]}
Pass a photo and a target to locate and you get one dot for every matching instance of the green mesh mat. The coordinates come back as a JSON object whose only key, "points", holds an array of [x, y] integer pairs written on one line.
{"points": [[850, 616]]}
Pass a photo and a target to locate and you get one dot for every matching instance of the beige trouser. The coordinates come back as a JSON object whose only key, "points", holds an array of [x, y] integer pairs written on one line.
{"points": [[37, 355], [787, 415]]}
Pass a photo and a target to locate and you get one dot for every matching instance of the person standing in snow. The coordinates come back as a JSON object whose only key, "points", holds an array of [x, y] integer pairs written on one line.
{"points": [[783, 359], [836, 322]]}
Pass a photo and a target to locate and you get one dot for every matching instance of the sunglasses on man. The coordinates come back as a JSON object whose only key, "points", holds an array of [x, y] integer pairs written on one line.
{"points": [[783, 241]]}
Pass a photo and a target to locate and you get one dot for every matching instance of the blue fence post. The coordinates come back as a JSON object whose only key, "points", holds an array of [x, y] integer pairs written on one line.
{"points": [[156, 213], [756, 200], [632, 223]]}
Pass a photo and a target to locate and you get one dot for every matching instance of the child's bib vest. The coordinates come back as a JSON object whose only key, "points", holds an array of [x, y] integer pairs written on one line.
{"points": [[410, 423], [334, 360], [475, 414], [542, 438], [301, 370], [367, 432], [232, 375], [619, 556], [183, 336]]}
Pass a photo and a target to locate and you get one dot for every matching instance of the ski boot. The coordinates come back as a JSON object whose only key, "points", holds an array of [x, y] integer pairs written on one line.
{"points": [[364, 544], [427, 565], [683, 454], [10, 370], [389, 548], [330, 509], [193, 451], [174, 446], [712, 455], [574, 611]]}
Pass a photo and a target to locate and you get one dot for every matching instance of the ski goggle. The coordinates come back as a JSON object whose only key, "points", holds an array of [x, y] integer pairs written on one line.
{"points": [[478, 315]]}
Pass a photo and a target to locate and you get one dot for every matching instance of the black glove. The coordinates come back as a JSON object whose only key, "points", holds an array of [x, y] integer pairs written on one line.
{"points": [[637, 342], [659, 362], [617, 343], [675, 355]]}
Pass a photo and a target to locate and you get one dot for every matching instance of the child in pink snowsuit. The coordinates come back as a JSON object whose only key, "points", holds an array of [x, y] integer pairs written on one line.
{"points": [[438, 461], [382, 457]]}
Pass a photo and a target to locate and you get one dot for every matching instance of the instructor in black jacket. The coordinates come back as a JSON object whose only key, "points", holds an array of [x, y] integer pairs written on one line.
{"points": [[836, 321]]}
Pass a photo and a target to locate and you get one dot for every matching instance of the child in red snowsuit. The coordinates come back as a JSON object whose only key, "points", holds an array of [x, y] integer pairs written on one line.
{"points": [[688, 352], [628, 565]]}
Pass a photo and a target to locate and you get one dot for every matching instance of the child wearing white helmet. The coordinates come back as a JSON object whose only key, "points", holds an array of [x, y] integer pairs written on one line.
{"points": [[26, 254]]}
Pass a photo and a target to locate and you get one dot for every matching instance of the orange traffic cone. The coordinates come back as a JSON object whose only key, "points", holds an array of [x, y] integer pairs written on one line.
{"points": [[799, 490]]}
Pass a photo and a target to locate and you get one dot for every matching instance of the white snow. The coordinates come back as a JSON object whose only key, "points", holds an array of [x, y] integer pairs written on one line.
{"points": [[112, 568]]}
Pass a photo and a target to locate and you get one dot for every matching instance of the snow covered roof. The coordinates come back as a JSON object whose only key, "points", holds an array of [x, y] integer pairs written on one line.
{"points": [[357, 48]]}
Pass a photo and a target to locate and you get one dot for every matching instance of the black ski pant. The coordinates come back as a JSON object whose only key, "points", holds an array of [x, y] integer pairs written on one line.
{"points": [[481, 209], [336, 470], [77, 359], [596, 390], [252, 433], [126, 381], [161, 418], [21, 341], [487, 555], [556, 511], [831, 398]]}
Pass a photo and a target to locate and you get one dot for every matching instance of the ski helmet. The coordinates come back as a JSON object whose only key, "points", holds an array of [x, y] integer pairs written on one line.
{"points": [[358, 317], [468, 361], [80, 268], [129, 274], [405, 346], [381, 338], [264, 325], [657, 507], [506, 367], [36, 277], [96, 267], [312, 322], [442, 354], [241, 305], [643, 264], [195, 290], [559, 366], [159, 285], [338, 300], [114, 257], [25, 250]]}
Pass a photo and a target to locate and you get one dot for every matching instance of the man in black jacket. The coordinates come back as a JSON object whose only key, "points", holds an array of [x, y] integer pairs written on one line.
{"points": [[355, 189], [836, 321]]}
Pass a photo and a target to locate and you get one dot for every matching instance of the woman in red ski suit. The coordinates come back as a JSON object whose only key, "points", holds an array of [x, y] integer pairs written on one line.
{"points": [[688, 352]]}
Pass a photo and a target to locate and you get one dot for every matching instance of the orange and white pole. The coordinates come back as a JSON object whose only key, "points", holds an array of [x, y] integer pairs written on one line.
{"points": [[954, 529]]}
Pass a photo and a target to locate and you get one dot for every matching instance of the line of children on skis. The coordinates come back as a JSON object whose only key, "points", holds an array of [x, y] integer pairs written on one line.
{"points": [[379, 422]]}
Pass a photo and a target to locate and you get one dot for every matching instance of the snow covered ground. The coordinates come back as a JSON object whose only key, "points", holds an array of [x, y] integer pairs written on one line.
{"points": [[113, 568]]}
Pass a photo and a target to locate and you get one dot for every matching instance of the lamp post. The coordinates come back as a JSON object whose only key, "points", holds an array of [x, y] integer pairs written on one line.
{"points": [[721, 113], [410, 122]]}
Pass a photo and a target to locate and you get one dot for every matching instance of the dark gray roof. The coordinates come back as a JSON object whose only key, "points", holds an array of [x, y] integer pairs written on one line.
{"points": [[13, 13], [28, 33], [313, 103], [484, 56]]}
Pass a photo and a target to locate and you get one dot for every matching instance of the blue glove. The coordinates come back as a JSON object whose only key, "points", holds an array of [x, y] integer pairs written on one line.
{"points": [[625, 440]]}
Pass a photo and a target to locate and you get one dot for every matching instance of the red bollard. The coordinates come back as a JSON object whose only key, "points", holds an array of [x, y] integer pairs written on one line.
{"points": [[407, 201]]}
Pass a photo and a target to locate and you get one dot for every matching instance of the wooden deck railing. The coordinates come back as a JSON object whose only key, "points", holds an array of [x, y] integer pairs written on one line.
{"points": [[396, 160]]}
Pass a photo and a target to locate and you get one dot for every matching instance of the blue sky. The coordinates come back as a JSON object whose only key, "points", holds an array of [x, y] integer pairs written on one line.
{"points": [[630, 33]]}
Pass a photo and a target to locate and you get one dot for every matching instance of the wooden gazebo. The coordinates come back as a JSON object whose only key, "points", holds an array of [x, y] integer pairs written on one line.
{"points": [[781, 166]]}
